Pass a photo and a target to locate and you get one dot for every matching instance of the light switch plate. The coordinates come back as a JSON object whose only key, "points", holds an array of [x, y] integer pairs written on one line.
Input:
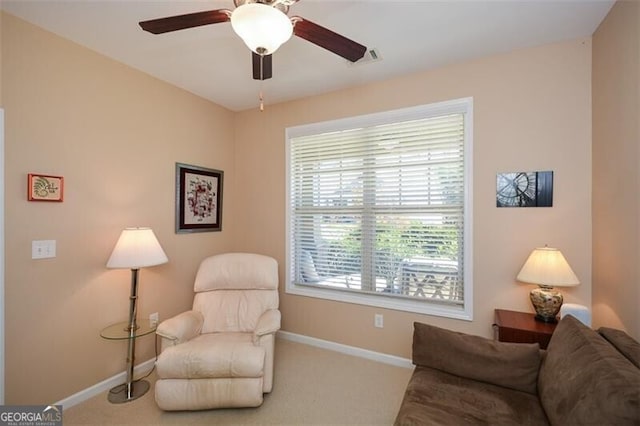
{"points": [[43, 249]]}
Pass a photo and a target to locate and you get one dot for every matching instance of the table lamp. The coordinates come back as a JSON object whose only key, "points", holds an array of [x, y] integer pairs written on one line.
{"points": [[136, 248], [547, 268]]}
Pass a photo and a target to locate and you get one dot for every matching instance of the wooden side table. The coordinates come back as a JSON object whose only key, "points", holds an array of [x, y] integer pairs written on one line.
{"points": [[521, 327]]}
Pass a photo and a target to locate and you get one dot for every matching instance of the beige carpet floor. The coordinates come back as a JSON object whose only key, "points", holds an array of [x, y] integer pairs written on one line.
{"points": [[312, 386]]}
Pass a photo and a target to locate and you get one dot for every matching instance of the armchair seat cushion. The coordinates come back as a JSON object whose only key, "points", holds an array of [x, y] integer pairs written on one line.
{"points": [[219, 355]]}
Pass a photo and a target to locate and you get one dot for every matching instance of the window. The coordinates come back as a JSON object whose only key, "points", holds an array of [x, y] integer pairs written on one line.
{"points": [[379, 209]]}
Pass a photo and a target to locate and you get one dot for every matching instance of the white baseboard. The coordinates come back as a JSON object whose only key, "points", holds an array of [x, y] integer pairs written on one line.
{"points": [[345, 349], [139, 370], [144, 367]]}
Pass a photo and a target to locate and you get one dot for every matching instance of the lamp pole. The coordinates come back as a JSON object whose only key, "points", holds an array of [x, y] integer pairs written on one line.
{"points": [[133, 326], [131, 389]]}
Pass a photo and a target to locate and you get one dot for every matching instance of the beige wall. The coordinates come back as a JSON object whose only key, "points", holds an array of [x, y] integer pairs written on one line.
{"points": [[616, 156], [532, 111], [114, 134]]}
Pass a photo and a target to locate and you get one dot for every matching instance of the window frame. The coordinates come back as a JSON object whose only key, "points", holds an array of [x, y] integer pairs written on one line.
{"points": [[421, 306]]}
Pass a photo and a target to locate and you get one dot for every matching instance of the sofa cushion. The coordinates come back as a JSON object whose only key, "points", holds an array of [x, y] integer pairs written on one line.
{"points": [[585, 380], [512, 365], [434, 397], [623, 343]]}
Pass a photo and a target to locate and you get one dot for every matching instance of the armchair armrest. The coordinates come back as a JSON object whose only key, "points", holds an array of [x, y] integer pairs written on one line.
{"points": [[182, 327], [268, 323]]}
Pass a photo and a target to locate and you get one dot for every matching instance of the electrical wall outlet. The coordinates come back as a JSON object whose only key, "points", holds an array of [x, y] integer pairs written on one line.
{"points": [[378, 320], [43, 249], [153, 319]]}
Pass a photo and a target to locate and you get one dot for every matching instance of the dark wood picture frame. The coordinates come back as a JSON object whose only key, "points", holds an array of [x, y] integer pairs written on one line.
{"points": [[45, 188], [198, 199]]}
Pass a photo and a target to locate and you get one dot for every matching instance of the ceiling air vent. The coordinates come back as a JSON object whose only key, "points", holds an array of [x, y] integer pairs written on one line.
{"points": [[370, 56]]}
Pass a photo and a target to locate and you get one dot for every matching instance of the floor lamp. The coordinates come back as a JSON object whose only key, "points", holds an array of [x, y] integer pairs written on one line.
{"points": [[136, 248]]}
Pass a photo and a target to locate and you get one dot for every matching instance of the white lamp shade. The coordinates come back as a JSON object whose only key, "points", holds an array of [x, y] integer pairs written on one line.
{"points": [[137, 248], [261, 27], [547, 266]]}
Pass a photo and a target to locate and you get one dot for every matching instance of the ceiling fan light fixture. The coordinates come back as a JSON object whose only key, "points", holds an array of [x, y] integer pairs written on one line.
{"points": [[263, 28]]}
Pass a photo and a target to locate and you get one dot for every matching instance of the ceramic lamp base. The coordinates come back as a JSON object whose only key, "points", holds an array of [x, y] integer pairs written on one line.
{"points": [[547, 302]]}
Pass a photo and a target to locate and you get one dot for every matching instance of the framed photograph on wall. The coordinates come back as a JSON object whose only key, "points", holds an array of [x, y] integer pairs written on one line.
{"points": [[198, 199], [45, 187], [524, 189]]}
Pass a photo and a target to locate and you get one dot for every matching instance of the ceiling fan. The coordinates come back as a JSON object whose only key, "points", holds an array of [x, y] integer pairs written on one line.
{"points": [[263, 25]]}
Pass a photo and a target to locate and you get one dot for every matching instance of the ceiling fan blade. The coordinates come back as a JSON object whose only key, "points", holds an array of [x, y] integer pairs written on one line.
{"points": [[323, 37], [181, 22], [262, 66]]}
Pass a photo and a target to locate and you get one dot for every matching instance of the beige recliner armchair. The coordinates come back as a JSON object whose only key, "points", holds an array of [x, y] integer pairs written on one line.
{"points": [[220, 354]]}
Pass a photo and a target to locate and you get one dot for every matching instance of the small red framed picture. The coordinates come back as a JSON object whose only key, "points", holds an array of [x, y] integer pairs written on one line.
{"points": [[45, 187]]}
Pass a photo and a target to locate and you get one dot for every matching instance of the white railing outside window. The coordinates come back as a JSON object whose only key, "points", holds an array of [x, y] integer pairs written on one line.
{"points": [[379, 209]]}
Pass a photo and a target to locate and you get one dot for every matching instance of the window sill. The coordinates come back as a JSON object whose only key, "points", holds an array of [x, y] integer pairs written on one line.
{"points": [[399, 304]]}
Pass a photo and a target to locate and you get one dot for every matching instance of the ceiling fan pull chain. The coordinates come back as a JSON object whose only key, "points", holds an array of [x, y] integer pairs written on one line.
{"points": [[261, 101]]}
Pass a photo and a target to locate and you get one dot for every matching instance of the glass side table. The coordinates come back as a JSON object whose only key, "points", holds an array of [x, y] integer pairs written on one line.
{"points": [[123, 331]]}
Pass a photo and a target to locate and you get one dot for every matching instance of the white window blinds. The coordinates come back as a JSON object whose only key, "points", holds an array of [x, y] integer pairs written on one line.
{"points": [[379, 209]]}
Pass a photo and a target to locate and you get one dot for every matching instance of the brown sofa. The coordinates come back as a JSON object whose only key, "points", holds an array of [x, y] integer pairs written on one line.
{"points": [[585, 377]]}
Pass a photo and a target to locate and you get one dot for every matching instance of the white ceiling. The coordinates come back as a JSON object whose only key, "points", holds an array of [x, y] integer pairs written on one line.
{"points": [[212, 62]]}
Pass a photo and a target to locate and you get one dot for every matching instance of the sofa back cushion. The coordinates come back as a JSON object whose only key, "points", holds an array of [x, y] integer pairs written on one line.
{"points": [[511, 365], [623, 343], [585, 380]]}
